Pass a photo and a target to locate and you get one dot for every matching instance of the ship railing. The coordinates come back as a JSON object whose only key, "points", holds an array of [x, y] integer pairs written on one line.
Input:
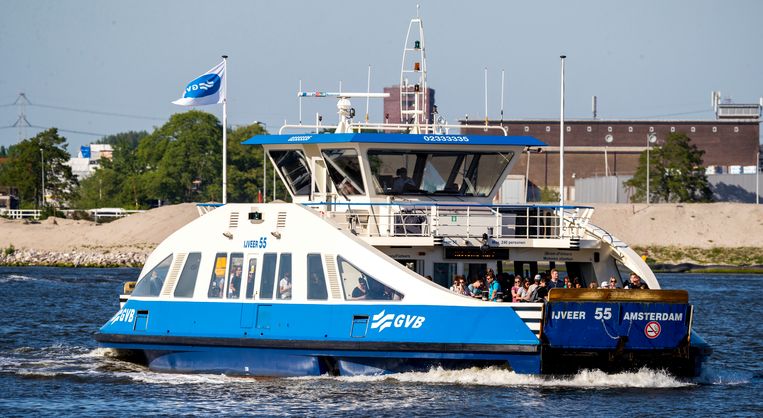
{"points": [[456, 220], [359, 127]]}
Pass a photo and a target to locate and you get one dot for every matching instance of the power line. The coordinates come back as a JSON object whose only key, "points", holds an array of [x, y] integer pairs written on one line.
{"points": [[95, 112], [72, 131]]}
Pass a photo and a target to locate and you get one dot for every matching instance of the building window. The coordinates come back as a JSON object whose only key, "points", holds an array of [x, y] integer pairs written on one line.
{"points": [[715, 129], [736, 129], [569, 129], [527, 129], [693, 129], [651, 129], [609, 129], [630, 129], [548, 129], [588, 129], [672, 129]]}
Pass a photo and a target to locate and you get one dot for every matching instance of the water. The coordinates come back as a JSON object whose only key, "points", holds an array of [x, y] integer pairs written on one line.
{"points": [[50, 365]]}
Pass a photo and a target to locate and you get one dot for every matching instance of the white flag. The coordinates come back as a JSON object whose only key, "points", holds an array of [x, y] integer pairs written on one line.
{"points": [[206, 89]]}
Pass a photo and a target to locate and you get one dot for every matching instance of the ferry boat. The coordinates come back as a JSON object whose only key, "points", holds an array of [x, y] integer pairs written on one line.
{"points": [[352, 277]]}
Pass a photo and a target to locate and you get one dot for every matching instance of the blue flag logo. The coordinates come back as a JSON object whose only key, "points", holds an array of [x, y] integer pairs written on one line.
{"points": [[203, 86], [206, 89]]}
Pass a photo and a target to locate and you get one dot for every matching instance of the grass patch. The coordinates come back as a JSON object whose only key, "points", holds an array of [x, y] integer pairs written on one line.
{"points": [[738, 256]]}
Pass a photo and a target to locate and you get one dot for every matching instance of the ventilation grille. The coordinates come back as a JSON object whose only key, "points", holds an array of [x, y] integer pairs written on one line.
{"points": [[172, 276], [233, 221], [281, 223], [336, 292]]}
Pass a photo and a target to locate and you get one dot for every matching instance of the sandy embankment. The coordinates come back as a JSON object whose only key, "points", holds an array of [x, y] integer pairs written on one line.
{"points": [[127, 241]]}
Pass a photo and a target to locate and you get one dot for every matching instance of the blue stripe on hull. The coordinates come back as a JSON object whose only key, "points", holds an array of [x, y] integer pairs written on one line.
{"points": [[286, 363]]}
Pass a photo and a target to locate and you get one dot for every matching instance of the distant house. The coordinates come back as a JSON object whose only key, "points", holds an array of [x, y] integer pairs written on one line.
{"points": [[8, 197], [89, 159]]}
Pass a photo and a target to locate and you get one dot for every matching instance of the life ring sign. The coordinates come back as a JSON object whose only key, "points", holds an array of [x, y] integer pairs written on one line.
{"points": [[652, 330]]}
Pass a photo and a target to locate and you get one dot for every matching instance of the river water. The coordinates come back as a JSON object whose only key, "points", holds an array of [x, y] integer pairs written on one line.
{"points": [[50, 365]]}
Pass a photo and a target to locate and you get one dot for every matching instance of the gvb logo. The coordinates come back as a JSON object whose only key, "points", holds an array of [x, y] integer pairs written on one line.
{"points": [[384, 320], [205, 85]]}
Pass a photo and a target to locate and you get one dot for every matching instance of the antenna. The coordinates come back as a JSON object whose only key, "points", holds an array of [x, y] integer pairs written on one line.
{"points": [[300, 103], [414, 98], [502, 86], [368, 91], [486, 98]]}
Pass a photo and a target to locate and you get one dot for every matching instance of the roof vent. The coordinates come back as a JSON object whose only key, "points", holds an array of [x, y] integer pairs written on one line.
{"points": [[330, 261], [233, 221], [172, 276]]}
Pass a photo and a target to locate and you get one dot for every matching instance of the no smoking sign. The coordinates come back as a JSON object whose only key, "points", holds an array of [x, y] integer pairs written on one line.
{"points": [[652, 330]]}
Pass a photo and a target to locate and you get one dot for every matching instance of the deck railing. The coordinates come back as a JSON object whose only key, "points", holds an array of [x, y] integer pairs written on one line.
{"points": [[457, 220]]}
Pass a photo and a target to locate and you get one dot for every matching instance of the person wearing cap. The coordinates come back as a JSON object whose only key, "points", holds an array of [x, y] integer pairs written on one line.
{"points": [[604, 285], [533, 289]]}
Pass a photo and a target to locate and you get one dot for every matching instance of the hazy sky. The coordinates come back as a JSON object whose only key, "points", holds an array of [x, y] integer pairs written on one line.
{"points": [[646, 58]]}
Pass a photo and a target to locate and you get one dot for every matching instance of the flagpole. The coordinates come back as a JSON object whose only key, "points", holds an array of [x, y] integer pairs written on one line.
{"points": [[225, 130]]}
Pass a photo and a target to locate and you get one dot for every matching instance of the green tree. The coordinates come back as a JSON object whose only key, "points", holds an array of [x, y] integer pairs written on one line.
{"points": [[676, 173], [23, 169]]}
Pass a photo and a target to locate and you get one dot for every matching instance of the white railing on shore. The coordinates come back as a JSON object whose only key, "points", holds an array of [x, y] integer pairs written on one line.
{"points": [[457, 220], [96, 214], [20, 213]]}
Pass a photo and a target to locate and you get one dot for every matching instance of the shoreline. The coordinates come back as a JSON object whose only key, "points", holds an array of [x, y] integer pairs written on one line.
{"points": [[108, 259]]}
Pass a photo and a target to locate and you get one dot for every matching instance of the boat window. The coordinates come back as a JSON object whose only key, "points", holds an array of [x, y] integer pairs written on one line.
{"points": [[187, 280], [294, 168], [151, 284], [235, 272], [250, 275], [344, 168], [284, 272], [268, 276], [316, 280], [360, 286], [454, 173], [217, 282]]}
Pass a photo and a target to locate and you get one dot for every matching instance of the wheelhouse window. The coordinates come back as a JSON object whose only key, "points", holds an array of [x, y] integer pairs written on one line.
{"points": [[453, 173], [360, 286], [151, 284], [316, 280], [217, 282], [187, 280], [295, 168], [344, 168], [235, 273]]}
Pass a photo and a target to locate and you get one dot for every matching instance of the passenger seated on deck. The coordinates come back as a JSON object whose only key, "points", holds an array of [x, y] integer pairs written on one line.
{"points": [[612, 282], [592, 285], [634, 282], [476, 288], [361, 290], [402, 182]]}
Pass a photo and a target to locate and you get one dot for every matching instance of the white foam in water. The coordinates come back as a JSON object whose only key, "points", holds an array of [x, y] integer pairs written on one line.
{"points": [[716, 376], [15, 278], [491, 376]]}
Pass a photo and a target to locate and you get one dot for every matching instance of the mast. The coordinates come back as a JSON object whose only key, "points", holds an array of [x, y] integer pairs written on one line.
{"points": [[413, 77]]}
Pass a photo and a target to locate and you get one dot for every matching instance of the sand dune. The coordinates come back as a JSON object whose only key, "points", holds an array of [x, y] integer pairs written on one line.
{"points": [[689, 225]]}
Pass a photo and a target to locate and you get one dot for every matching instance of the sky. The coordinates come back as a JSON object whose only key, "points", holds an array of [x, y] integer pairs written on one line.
{"points": [[103, 67]]}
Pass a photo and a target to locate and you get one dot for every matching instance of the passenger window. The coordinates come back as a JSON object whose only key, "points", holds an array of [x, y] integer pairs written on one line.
{"points": [[217, 282], [268, 276], [250, 275], [360, 286], [316, 281], [151, 284], [234, 275], [284, 272], [187, 280]]}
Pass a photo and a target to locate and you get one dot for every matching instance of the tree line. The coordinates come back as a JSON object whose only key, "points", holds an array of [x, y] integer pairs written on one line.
{"points": [[181, 161]]}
